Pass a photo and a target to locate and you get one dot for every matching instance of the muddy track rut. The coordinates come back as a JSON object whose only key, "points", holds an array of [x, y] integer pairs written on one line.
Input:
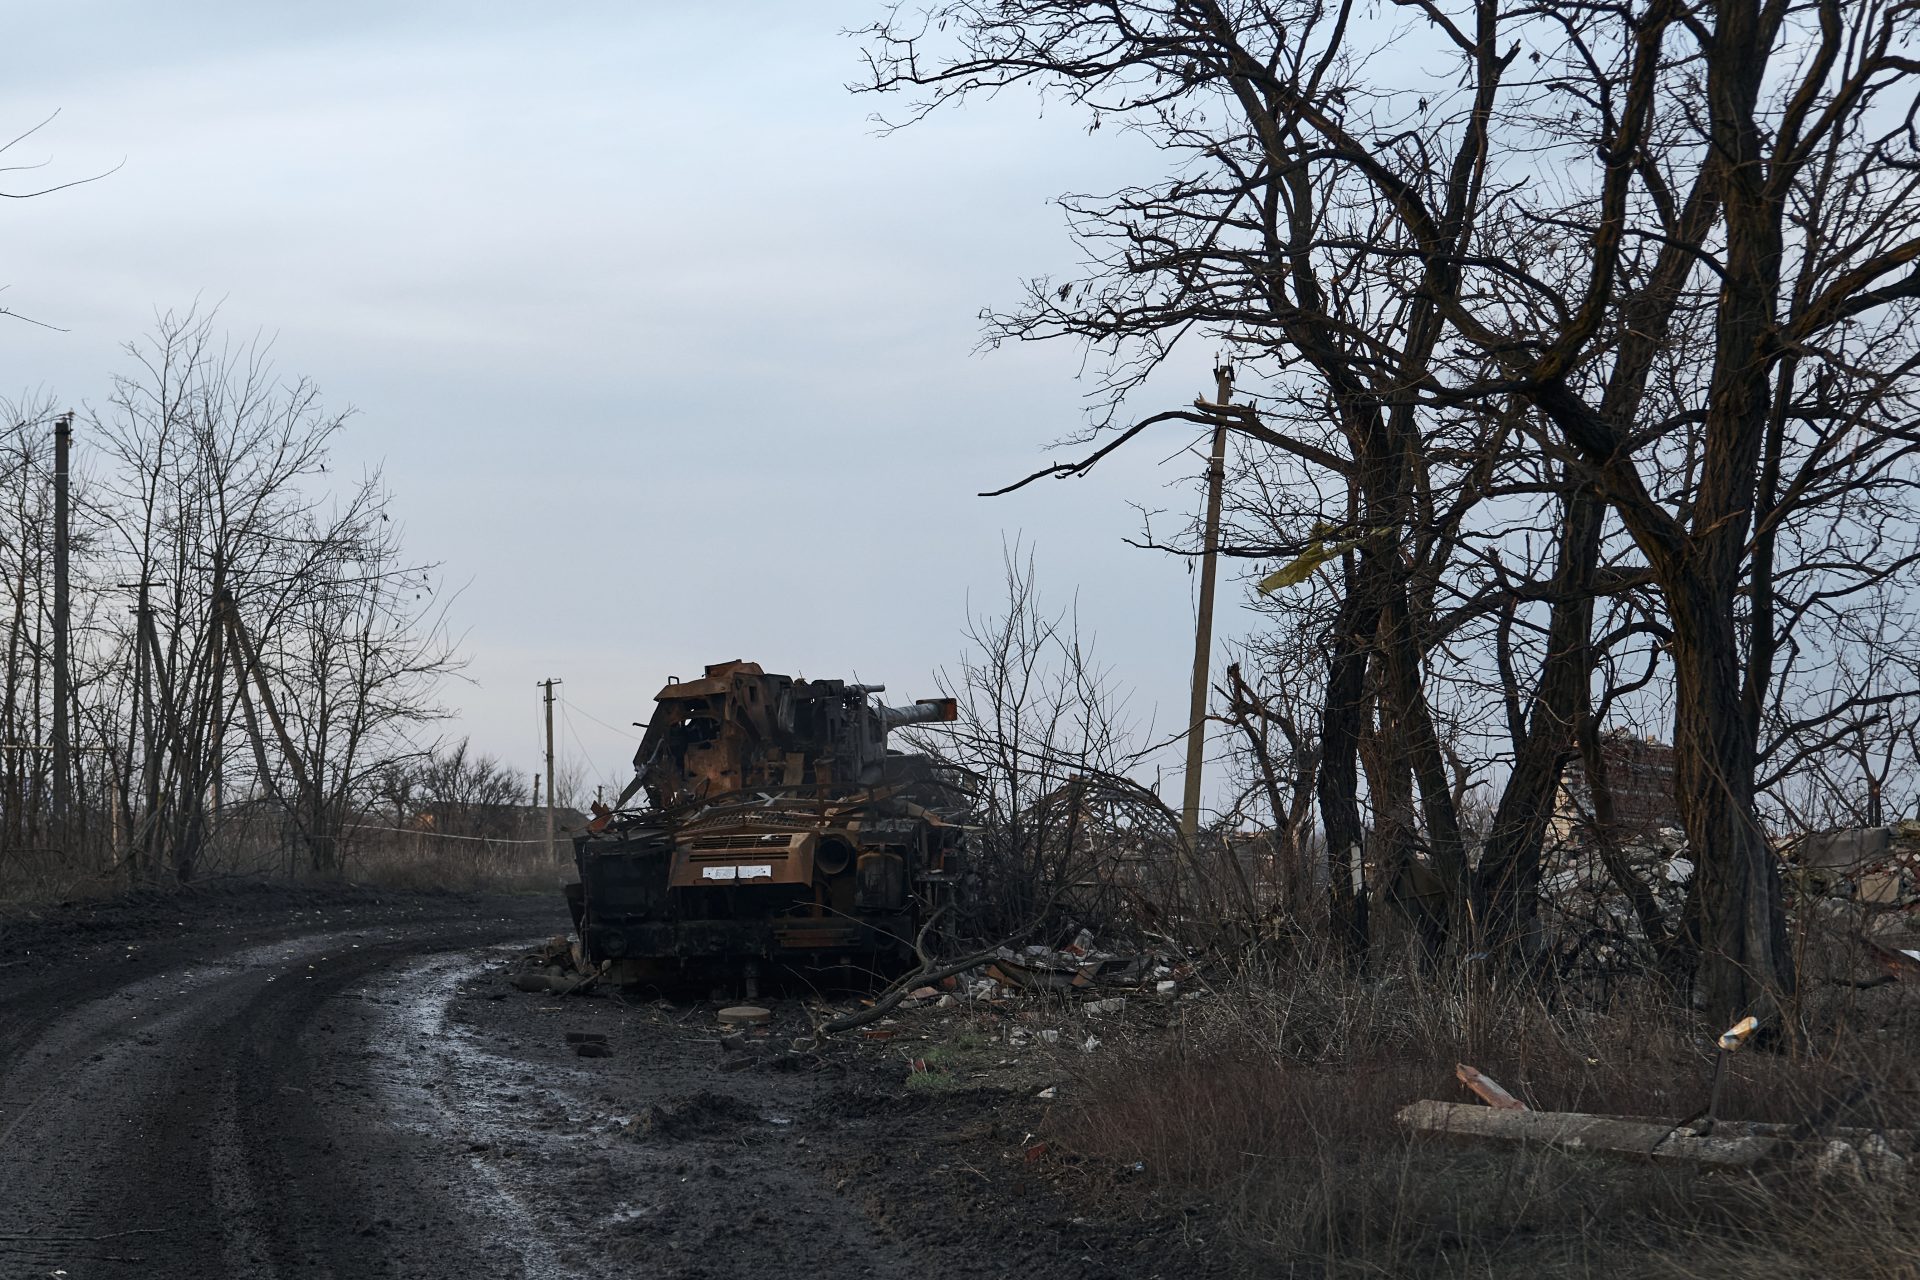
{"points": [[358, 1093]]}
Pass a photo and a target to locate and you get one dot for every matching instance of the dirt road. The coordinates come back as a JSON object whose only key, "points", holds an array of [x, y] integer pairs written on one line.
{"points": [[346, 1087]]}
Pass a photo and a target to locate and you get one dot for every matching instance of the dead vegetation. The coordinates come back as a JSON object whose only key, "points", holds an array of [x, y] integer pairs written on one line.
{"points": [[514, 868], [1258, 1098], [1566, 357], [1268, 1112]]}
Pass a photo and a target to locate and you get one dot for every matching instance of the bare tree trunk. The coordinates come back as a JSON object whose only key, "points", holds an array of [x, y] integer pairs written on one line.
{"points": [[1341, 722], [1420, 744], [1509, 873], [1738, 923]]}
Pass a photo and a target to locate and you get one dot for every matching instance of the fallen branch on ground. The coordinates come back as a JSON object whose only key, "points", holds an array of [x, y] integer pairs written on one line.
{"points": [[898, 992]]}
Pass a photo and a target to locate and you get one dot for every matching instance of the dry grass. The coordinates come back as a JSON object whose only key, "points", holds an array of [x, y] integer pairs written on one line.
{"points": [[464, 868], [1271, 1111], [30, 878]]}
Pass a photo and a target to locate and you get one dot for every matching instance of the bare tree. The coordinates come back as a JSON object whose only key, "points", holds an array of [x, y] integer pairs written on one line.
{"points": [[1657, 255], [1044, 737], [249, 636]]}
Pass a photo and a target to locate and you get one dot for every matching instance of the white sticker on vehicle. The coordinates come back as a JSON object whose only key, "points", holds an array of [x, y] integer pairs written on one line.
{"points": [[763, 871], [716, 873]]}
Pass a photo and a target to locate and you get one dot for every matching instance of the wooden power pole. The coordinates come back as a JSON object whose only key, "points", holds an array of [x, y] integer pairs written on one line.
{"points": [[1203, 625], [62, 744], [547, 685]]}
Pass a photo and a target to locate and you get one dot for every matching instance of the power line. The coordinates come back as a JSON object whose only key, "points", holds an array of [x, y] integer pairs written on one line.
{"points": [[602, 723], [436, 835], [566, 722]]}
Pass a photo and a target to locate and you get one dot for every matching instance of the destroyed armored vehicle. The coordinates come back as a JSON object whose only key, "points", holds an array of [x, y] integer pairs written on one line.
{"points": [[771, 824]]}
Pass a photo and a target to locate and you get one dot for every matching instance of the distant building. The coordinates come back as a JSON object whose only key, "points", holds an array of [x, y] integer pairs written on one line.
{"points": [[1640, 780]]}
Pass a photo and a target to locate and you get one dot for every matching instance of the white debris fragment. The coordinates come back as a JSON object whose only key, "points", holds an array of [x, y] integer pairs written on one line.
{"points": [[1839, 1161], [1883, 1164]]}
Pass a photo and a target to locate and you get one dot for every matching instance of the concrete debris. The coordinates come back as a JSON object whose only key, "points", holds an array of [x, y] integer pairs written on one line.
{"points": [[1572, 1130], [1837, 1161], [1080, 968], [1724, 1144], [1581, 898], [1870, 873], [1883, 1164], [1874, 866]]}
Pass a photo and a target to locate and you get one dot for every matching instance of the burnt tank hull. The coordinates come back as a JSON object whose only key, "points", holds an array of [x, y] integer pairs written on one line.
{"points": [[781, 831]]}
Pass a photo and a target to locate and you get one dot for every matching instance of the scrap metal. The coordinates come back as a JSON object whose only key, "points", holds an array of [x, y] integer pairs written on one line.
{"points": [[775, 824]]}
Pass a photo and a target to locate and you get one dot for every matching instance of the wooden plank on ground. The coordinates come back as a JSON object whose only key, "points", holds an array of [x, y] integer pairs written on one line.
{"points": [[1487, 1089]]}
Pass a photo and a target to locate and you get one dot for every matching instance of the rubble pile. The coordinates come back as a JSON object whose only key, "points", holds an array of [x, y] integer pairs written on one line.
{"points": [[1081, 971], [1582, 901], [1874, 866], [1867, 878], [1033, 998]]}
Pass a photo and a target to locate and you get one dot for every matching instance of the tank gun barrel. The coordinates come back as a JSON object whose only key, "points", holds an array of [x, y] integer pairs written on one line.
{"points": [[922, 712]]}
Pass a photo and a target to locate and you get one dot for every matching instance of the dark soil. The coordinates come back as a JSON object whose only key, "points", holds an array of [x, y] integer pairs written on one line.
{"points": [[281, 1081]]}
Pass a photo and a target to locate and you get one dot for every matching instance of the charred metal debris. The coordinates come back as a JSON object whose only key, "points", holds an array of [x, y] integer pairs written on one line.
{"points": [[774, 824]]}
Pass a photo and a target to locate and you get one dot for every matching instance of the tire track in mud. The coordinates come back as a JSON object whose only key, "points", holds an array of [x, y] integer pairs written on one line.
{"points": [[145, 1127], [373, 1100], [112, 1121], [451, 1090]]}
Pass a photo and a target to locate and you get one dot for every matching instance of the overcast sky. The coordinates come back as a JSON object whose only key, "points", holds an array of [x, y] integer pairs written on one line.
{"points": [[666, 355]]}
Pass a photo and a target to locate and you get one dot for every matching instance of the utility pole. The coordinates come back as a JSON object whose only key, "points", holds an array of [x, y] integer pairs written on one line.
{"points": [[142, 732], [62, 746], [1203, 625], [144, 635], [548, 686]]}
